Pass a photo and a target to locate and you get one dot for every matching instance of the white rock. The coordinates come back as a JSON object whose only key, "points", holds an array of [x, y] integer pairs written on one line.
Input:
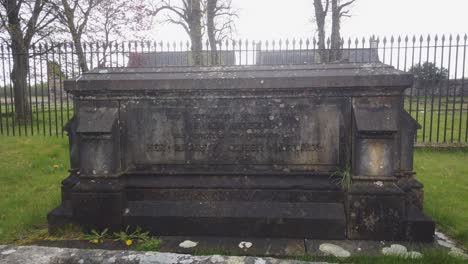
{"points": [[334, 250], [400, 251], [245, 244], [445, 243], [8, 252], [188, 244], [378, 183], [458, 253], [414, 255], [440, 235], [395, 250]]}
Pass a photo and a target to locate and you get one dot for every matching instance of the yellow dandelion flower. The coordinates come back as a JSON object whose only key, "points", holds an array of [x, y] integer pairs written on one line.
{"points": [[56, 166], [95, 241], [129, 242]]}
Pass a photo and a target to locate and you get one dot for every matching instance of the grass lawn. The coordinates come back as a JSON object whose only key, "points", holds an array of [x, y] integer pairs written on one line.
{"points": [[445, 178], [31, 169]]}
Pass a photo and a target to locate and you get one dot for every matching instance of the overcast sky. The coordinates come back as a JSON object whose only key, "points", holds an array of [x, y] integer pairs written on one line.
{"points": [[268, 19]]}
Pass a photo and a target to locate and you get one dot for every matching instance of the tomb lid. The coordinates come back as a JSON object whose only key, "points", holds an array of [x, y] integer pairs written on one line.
{"points": [[321, 76], [96, 120]]}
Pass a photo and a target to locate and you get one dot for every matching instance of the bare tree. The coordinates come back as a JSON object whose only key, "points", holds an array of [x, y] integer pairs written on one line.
{"points": [[320, 18], [75, 14], [26, 22], [220, 17], [339, 9], [121, 19], [188, 14]]}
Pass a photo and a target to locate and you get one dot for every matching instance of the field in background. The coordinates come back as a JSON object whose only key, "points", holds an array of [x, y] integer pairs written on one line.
{"points": [[442, 119], [46, 121]]}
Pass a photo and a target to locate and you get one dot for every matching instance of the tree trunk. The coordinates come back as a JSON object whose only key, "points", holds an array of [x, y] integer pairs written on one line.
{"points": [[210, 26], [320, 15], [79, 53], [19, 75], [196, 32], [335, 45]]}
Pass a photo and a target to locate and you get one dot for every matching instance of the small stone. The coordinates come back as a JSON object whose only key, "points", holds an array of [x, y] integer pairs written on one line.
{"points": [[188, 244], [458, 253], [8, 252], [378, 183], [334, 250], [445, 244], [440, 235], [245, 244], [413, 255], [395, 250], [457, 250]]}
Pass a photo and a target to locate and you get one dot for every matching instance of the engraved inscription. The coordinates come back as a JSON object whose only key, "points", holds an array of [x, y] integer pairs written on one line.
{"points": [[304, 147], [300, 132]]}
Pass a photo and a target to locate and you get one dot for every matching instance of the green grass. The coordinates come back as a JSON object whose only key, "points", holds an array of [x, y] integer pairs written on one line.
{"points": [[440, 120], [33, 167], [30, 176], [151, 244], [445, 178]]}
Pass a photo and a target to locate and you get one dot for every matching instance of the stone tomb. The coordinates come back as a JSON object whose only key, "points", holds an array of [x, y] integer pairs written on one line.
{"points": [[263, 151]]}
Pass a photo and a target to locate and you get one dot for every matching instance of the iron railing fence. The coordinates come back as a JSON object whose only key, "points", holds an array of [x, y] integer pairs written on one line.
{"points": [[437, 100]]}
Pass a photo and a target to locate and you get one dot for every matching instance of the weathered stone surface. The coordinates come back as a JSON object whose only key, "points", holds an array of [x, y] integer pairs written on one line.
{"points": [[50, 255], [375, 212], [237, 246], [241, 151]]}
